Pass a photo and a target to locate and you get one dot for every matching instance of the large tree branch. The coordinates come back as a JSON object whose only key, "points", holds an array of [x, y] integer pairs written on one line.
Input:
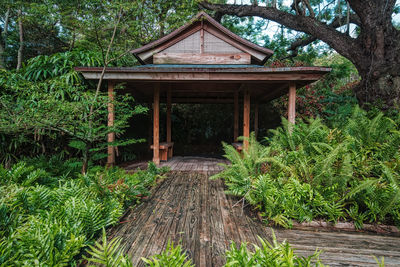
{"points": [[337, 40], [336, 23]]}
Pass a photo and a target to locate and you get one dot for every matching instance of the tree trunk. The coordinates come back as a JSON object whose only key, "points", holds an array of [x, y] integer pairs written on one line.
{"points": [[21, 40], [379, 85], [85, 160], [3, 41]]}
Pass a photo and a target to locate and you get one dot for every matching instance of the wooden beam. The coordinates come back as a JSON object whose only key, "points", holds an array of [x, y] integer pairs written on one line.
{"points": [[110, 123], [236, 117], [292, 103], [205, 100], [256, 120], [204, 76], [195, 58], [156, 124], [169, 137], [246, 118]]}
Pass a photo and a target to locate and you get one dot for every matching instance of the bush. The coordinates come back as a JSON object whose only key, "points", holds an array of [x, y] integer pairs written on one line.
{"points": [[275, 254], [47, 219], [349, 173]]}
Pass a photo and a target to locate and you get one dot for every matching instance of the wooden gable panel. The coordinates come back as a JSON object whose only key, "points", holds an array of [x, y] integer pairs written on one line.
{"points": [[202, 35], [190, 44], [196, 58], [213, 44]]}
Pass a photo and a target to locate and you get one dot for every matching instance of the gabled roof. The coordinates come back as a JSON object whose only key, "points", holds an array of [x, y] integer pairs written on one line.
{"points": [[203, 22]]}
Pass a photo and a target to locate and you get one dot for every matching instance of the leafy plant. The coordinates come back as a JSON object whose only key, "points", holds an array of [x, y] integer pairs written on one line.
{"points": [[311, 171], [269, 254], [172, 256], [47, 217], [108, 253]]}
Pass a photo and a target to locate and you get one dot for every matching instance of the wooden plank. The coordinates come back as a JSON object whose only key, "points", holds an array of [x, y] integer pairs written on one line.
{"points": [[190, 75], [236, 117], [189, 207], [205, 222], [110, 123], [193, 58], [246, 118], [169, 137], [192, 224], [292, 103], [162, 232], [151, 218], [156, 124], [216, 226]]}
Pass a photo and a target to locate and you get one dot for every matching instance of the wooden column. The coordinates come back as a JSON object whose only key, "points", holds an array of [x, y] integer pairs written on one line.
{"points": [[246, 118], [256, 120], [169, 137], [236, 117], [292, 103], [156, 124], [110, 123]]}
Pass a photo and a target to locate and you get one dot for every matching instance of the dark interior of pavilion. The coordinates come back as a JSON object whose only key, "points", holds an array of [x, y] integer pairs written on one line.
{"points": [[197, 129]]}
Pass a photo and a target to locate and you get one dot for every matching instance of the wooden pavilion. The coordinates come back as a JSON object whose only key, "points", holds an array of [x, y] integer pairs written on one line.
{"points": [[203, 62]]}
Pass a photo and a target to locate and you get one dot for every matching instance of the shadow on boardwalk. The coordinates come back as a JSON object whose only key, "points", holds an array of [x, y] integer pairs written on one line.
{"points": [[189, 208]]}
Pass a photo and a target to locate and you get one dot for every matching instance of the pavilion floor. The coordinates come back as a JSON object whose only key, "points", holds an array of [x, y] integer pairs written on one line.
{"points": [[189, 208]]}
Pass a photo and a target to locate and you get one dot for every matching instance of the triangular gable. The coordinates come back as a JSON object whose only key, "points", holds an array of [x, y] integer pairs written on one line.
{"points": [[202, 41]]}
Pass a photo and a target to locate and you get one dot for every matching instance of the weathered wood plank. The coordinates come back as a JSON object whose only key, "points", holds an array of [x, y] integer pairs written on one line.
{"points": [[246, 118], [189, 207], [192, 58], [292, 103], [156, 124]]}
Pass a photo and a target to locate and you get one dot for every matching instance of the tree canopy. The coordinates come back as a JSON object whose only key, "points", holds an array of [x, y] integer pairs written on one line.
{"points": [[362, 31]]}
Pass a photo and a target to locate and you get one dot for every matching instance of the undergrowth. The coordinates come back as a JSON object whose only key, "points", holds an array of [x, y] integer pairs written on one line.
{"points": [[312, 172], [49, 212], [110, 253]]}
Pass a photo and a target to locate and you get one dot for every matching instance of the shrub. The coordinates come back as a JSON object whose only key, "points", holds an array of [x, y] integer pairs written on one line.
{"points": [[313, 171], [275, 254], [47, 219]]}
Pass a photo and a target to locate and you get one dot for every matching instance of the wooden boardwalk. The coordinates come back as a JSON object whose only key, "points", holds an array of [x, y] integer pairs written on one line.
{"points": [[189, 208], [197, 164]]}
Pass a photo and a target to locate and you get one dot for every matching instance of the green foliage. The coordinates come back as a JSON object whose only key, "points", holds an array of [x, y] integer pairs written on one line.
{"points": [[172, 256], [275, 254], [59, 110], [47, 219], [310, 171], [108, 254], [62, 65]]}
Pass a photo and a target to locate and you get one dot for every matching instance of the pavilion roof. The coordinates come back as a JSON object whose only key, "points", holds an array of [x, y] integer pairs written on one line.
{"points": [[202, 22]]}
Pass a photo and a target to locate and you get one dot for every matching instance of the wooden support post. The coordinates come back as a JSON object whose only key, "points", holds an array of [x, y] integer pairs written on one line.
{"points": [[236, 117], [292, 103], [169, 137], [256, 120], [110, 123], [246, 118], [156, 124]]}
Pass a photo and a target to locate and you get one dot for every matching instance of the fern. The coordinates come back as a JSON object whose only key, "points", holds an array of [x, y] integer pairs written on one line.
{"points": [[172, 256], [269, 254], [108, 253]]}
